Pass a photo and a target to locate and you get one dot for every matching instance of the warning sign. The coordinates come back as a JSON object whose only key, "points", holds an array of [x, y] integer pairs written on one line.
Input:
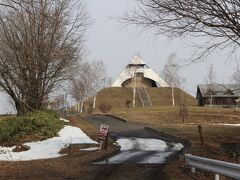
{"points": [[103, 132]]}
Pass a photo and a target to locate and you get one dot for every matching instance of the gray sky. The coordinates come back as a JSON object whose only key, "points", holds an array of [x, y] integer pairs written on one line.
{"points": [[115, 46]]}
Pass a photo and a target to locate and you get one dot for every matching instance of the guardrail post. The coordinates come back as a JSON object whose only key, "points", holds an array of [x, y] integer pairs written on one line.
{"points": [[217, 177]]}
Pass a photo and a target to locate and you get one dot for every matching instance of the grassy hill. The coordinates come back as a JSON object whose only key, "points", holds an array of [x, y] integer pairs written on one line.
{"points": [[117, 97]]}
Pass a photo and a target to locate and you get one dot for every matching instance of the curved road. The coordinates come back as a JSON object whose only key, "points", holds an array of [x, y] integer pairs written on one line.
{"points": [[124, 165], [120, 128]]}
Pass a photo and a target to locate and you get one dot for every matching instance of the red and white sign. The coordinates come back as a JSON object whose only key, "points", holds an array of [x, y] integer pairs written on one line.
{"points": [[103, 132]]}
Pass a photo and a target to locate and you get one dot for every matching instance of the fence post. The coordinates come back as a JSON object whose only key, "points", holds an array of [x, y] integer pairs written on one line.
{"points": [[200, 134]]}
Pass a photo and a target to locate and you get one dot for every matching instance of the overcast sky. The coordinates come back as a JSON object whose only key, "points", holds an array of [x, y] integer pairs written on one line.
{"points": [[115, 45]]}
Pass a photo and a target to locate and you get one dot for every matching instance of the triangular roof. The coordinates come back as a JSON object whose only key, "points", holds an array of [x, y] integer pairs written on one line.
{"points": [[129, 71], [137, 61]]}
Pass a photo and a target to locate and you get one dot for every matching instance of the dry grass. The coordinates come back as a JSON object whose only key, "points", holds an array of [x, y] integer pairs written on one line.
{"points": [[117, 97], [170, 115], [5, 116], [168, 119], [163, 96]]}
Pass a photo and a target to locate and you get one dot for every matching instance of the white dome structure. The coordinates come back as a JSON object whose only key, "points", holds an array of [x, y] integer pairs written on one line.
{"points": [[138, 74]]}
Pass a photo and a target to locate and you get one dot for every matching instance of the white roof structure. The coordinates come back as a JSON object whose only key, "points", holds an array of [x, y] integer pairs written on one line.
{"points": [[137, 65]]}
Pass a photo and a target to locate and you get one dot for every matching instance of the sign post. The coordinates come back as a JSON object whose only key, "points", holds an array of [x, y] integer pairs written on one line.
{"points": [[103, 136]]}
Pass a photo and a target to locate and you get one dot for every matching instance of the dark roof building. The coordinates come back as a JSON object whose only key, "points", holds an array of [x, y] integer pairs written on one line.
{"points": [[225, 95]]}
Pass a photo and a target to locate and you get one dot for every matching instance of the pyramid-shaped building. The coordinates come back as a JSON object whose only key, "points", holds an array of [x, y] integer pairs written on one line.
{"points": [[138, 74]]}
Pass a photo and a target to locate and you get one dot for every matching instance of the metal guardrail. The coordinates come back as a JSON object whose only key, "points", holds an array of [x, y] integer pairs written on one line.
{"points": [[218, 167]]}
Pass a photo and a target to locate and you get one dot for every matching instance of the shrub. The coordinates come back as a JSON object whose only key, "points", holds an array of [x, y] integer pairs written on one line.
{"points": [[44, 124], [104, 108]]}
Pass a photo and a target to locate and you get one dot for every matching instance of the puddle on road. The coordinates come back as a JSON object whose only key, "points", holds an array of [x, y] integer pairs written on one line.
{"points": [[142, 151]]}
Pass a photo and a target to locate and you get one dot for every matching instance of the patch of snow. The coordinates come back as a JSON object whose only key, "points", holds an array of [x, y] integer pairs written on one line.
{"points": [[226, 124], [128, 144], [49, 148], [177, 147], [90, 149], [64, 120]]}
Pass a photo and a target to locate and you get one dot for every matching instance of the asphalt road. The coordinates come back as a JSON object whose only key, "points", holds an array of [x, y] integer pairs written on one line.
{"points": [[122, 129], [119, 128]]}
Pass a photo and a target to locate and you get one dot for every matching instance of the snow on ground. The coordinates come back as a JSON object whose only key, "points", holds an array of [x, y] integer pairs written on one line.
{"points": [[128, 144], [90, 149], [177, 147], [64, 120], [226, 124], [48, 148]]}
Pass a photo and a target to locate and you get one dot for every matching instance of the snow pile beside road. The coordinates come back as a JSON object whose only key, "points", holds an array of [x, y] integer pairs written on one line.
{"points": [[49, 148], [139, 144]]}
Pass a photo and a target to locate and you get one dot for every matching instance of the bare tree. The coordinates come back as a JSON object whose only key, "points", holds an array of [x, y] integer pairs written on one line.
{"points": [[171, 75], [10, 3], [218, 20], [91, 78], [210, 80], [41, 42]]}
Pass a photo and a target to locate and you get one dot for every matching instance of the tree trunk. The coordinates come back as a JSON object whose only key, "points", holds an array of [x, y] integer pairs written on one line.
{"points": [[21, 108], [28, 106]]}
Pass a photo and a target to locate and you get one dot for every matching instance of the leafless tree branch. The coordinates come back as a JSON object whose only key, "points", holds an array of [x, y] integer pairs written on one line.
{"points": [[217, 19]]}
